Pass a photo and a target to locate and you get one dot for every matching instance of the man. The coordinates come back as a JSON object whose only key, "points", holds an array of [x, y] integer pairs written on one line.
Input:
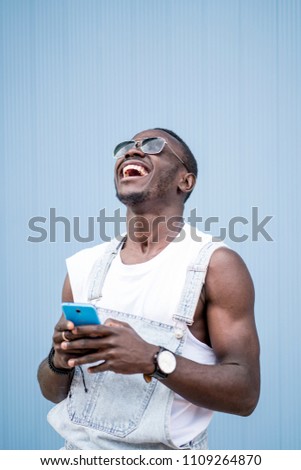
{"points": [[178, 338]]}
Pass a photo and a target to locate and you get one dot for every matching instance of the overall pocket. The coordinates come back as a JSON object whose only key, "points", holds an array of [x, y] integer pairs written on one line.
{"points": [[114, 405]]}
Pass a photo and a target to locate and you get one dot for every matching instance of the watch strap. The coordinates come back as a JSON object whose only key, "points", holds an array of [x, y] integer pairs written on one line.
{"points": [[158, 373]]}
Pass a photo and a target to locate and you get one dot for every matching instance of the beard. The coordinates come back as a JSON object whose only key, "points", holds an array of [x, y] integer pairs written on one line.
{"points": [[132, 199], [159, 190]]}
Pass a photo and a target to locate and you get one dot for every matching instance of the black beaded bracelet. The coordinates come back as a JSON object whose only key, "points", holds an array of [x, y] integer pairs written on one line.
{"points": [[54, 369]]}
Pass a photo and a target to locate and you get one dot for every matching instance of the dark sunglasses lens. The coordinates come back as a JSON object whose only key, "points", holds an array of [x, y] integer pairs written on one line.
{"points": [[123, 147], [153, 146]]}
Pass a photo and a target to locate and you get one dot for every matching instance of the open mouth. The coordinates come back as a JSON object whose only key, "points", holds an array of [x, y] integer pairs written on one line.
{"points": [[133, 170]]}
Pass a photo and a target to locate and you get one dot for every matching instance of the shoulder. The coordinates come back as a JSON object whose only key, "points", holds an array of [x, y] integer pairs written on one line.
{"points": [[224, 259], [79, 266], [88, 254], [228, 276]]}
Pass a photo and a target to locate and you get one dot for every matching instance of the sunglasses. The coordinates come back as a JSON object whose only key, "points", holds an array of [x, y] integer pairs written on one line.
{"points": [[150, 146]]}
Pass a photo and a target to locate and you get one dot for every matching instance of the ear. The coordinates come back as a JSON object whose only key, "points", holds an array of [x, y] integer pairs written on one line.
{"points": [[187, 183]]}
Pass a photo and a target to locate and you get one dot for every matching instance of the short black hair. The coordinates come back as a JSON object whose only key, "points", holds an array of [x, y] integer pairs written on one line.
{"points": [[189, 158]]}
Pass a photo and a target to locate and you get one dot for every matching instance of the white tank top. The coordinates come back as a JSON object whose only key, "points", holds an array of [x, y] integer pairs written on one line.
{"points": [[150, 291]]}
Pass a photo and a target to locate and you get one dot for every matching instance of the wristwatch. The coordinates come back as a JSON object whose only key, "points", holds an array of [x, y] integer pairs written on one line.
{"points": [[165, 363]]}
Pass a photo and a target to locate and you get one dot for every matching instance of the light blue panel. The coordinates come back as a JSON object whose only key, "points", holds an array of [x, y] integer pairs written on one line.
{"points": [[76, 77]]}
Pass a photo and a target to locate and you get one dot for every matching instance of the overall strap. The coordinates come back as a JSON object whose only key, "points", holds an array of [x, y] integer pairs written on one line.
{"points": [[100, 268], [195, 279]]}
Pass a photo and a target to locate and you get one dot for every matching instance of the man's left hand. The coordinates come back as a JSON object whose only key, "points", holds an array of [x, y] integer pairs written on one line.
{"points": [[116, 343]]}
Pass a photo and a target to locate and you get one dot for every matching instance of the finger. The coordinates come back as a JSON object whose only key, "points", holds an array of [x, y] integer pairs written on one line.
{"points": [[62, 334], [62, 360], [85, 344], [87, 359], [91, 331], [103, 367], [67, 336], [64, 325]]}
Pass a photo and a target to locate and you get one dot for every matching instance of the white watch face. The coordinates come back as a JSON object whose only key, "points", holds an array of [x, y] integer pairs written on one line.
{"points": [[166, 362]]}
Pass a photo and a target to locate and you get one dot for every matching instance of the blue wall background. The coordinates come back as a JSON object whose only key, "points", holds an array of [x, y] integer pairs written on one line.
{"points": [[79, 76]]}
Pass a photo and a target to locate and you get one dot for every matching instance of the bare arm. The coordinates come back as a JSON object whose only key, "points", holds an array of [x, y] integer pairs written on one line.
{"points": [[53, 386], [233, 384]]}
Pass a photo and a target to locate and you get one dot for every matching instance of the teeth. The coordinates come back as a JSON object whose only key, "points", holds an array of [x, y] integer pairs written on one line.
{"points": [[141, 170]]}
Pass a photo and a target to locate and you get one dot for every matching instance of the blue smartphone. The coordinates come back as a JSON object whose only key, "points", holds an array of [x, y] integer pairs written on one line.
{"points": [[81, 314]]}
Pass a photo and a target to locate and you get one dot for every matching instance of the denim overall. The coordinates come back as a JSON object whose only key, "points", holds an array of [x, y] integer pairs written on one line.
{"points": [[123, 411]]}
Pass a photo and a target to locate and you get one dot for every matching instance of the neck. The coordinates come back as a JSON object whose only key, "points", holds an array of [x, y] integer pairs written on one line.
{"points": [[151, 231]]}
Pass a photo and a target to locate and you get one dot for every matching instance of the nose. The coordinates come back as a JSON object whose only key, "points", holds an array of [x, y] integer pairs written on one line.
{"points": [[134, 152]]}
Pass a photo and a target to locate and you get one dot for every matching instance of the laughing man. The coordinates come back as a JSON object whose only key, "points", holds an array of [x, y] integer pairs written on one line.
{"points": [[177, 339]]}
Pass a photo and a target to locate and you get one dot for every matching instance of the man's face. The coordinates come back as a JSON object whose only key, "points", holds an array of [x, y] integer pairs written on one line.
{"points": [[140, 177]]}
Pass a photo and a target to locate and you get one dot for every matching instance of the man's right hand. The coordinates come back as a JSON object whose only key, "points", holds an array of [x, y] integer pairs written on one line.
{"points": [[63, 333], [55, 387]]}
